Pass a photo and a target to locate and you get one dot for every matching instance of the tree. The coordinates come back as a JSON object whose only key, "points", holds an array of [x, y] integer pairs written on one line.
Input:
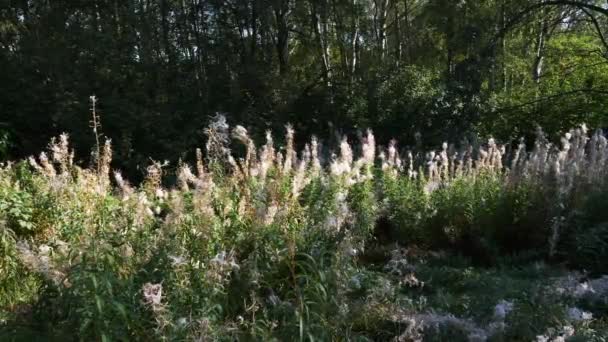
{"points": [[161, 68]]}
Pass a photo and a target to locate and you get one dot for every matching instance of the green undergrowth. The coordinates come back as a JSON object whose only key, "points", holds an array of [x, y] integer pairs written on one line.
{"points": [[276, 246]]}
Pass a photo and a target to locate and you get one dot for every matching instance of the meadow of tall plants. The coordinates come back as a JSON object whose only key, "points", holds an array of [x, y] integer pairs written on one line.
{"points": [[475, 241]]}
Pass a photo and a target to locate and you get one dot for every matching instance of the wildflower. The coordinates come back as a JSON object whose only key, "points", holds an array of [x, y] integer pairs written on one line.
{"points": [[126, 190], [44, 250], [342, 213], [221, 266], [154, 174], [368, 149], [240, 133], [577, 315], [153, 295], [552, 336], [383, 163], [542, 338], [346, 153], [289, 150], [274, 300], [40, 261], [410, 165], [62, 246], [300, 180], [410, 280], [343, 164], [445, 163], [384, 289], [314, 150], [126, 251], [185, 176], [267, 157], [502, 309], [337, 168], [392, 152], [224, 260], [217, 137], [355, 282], [431, 166], [267, 214], [398, 264], [431, 186], [200, 166], [436, 321], [61, 154], [177, 260], [413, 332], [568, 331], [182, 321], [160, 193], [49, 169], [33, 163], [104, 162]]}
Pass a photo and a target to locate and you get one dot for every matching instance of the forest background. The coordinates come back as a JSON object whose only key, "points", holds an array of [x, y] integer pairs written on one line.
{"points": [[162, 68]]}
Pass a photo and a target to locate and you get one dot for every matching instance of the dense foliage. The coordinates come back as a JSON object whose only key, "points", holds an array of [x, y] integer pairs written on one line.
{"points": [[280, 245], [162, 68], [356, 237]]}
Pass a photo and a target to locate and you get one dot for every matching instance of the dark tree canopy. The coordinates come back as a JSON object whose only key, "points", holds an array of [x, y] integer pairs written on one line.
{"points": [[162, 68]]}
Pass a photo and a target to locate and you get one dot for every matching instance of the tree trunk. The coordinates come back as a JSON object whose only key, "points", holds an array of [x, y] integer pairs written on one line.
{"points": [[254, 28], [408, 30], [320, 27], [537, 67], [354, 43], [398, 43], [165, 30], [380, 25], [281, 13]]}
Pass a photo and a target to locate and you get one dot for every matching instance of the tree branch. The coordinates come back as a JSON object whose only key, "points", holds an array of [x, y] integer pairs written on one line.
{"points": [[549, 97], [530, 9], [596, 24]]}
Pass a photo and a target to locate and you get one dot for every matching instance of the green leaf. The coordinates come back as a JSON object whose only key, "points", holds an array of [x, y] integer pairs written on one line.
{"points": [[99, 304]]}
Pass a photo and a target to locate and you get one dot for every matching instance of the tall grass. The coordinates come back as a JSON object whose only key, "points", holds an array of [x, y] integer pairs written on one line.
{"points": [[264, 246]]}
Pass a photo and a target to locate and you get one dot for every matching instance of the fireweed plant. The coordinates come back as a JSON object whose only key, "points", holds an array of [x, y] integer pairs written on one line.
{"points": [[282, 245]]}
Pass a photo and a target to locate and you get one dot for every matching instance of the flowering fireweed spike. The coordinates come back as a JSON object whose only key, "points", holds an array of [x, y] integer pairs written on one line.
{"points": [[289, 150], [283, 231], [267, 157]]}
